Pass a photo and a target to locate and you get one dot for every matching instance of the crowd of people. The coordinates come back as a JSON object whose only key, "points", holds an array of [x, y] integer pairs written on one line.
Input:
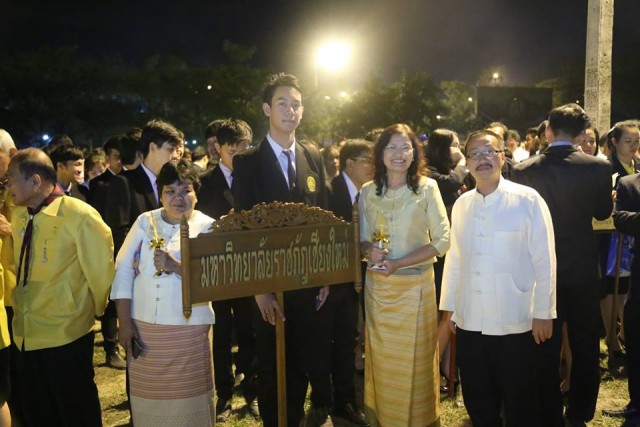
{"points": [[487, 241]]}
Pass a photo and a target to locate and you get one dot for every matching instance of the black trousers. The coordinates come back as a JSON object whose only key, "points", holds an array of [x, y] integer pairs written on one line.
{"points": [[343, 310], [578, 304], [58, 389], [331, 356], [299, 307], [230, 313], [632, 335], [497, 370], [109, 326]]}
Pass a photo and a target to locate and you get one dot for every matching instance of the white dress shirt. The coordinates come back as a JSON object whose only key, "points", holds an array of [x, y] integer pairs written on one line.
{"points": [[152, 180], [353, 190], [500, 272], [282, 158], [227, 172], [157, 299]]}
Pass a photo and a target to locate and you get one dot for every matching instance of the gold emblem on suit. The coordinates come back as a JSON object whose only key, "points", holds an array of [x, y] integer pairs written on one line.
{"points": [[311, 184]]}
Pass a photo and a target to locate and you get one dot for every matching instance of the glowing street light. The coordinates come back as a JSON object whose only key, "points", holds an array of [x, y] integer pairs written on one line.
{"points": [[333, 56]]}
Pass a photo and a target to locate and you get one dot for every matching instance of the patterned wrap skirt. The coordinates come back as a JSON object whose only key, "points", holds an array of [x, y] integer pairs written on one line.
{"points": [[401, 346], [172, 380]]}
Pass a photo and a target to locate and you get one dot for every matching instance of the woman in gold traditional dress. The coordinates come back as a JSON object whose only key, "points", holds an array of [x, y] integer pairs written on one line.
{"points": [[403, 227]]}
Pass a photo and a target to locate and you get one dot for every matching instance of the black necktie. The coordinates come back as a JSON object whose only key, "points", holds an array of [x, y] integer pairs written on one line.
{"points": [[291, 172], [25, 249]]}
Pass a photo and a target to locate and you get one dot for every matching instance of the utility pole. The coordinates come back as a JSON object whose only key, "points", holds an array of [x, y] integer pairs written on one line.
{"points": [[597, 73]]}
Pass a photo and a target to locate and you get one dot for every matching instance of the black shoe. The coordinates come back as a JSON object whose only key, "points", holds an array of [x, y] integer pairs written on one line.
{"points": [[629, 412], [223, 410], [114, 360], [350, 413], [318, 417]]}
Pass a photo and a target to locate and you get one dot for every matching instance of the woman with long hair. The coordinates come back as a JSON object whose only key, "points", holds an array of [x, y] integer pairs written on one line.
{"points": [[447, 166], [403, 227]]}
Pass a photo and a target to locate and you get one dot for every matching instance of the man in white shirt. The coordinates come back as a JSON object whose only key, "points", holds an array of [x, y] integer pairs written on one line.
{"points": [[498, 287]]}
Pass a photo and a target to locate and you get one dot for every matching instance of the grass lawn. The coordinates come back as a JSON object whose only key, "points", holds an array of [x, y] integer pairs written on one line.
{"points": [[111, 385]]}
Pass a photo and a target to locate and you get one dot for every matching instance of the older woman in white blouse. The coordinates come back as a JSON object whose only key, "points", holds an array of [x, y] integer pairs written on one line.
{"points": [[168, 355]]}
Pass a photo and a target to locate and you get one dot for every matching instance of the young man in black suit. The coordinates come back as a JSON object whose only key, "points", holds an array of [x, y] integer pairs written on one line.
{"points": [[577, 188], [134, 192], [69, 163], [97, 198], [356, 168], [280, 168], [626, 217], [214, 199]]}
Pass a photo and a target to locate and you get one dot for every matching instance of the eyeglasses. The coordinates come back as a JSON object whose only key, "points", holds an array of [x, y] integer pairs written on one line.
{"points": [[365, 160], [489, 154], [405, 149]]}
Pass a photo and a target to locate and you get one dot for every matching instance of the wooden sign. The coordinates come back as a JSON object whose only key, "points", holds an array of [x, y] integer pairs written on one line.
{"points": [[272, 248]]}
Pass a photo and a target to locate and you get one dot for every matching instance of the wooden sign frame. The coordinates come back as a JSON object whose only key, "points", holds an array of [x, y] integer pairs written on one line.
{"points": [[272, 248]]}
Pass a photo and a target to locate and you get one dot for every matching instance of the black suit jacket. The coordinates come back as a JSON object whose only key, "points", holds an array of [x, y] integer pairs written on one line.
{"points": [[79, 192], [626, 215], [214, 197], [339, 198], [129, 195], [577, 188], [258, 177], [98, 187]]}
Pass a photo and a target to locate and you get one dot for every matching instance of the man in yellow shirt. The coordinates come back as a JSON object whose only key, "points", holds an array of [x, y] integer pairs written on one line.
{"points": [[64, 257]]}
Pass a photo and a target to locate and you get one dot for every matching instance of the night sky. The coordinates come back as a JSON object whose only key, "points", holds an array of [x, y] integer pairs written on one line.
{"points": [[450, 39]]}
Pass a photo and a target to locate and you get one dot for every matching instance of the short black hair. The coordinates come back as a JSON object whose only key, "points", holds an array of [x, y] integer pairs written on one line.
{"points": [[275, 81], [113, 143], [353, 148], [65, 153], [57, 141], [33, 161], [233, 132], [568, 119], [183, 172], [212, 128], [199, 153], [130, 146], [159, 132]]}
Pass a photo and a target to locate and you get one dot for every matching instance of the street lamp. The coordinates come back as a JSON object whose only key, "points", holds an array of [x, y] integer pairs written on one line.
{"points": [[496, 78], [332, 56]]}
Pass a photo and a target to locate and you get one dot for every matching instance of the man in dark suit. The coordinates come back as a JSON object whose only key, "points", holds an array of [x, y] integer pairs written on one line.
{"points": [[114, 148], [626, 217], [215, 199], [280, 168], [98, 186], [69, 163], [356, 168], [577, 188], [134, 192]]}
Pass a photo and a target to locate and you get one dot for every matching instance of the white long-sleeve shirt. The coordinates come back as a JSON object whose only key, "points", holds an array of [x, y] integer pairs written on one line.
{"points": [[500, 272], [157, 299]]}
